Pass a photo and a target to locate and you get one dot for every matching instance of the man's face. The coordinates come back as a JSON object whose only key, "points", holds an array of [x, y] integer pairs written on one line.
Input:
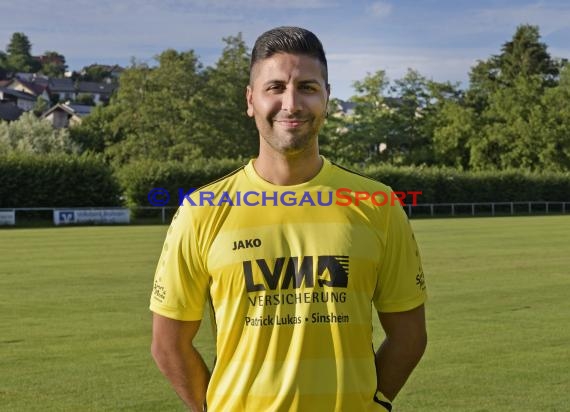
{"points": [[288, 98]]}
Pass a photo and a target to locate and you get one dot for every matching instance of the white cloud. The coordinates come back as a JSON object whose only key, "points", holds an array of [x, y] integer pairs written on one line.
{"points": [[435, 64], [243, 4], [380, 9], [549, 18]]}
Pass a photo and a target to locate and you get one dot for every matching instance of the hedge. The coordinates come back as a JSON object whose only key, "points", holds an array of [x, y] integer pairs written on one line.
{"points": [[61, 180], [82, 181], [139, 178], [443, 185], [438, 185]]}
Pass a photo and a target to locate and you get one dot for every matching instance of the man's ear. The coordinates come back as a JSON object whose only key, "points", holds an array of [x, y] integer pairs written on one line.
{"points": [[328, 99], [249, 99]]}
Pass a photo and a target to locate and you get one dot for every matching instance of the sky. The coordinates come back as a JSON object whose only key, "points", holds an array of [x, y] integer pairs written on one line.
{"points": [[440, 39]]}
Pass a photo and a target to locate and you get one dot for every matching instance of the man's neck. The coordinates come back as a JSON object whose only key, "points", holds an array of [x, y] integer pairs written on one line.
{"points": [[286, 170]]}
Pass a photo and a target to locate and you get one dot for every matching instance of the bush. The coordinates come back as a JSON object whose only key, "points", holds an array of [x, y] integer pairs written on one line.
{"points": [[438, 185], [139, 178], [444, 185], [56, 180]]}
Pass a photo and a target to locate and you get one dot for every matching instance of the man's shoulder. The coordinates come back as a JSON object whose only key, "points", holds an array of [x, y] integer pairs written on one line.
{"points": [[356, 180], [214, 193], [229, 179]]}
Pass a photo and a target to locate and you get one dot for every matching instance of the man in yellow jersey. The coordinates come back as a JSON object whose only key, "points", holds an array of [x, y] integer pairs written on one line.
{"points": [[293, 275]]}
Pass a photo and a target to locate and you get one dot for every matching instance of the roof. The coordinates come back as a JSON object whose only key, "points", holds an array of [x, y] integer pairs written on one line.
{"points": [[61, 85], [36, 88], [79, 110], [17, 94], [9, 111], [95, 87], [33, 78]]}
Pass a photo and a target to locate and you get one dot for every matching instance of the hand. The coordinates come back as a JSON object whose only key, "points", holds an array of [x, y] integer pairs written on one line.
{"points": [[383, 401]]}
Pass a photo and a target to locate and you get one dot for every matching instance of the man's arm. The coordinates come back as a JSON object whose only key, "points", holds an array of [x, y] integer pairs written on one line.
{"points": [[179, 361], [405, 342]]}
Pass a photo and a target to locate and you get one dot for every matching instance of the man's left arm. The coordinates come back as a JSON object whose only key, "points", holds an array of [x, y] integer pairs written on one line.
{"points": [[398, 355]]}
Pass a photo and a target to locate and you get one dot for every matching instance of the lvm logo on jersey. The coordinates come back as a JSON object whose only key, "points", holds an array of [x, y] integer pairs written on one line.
{"points": [[293, 272]]}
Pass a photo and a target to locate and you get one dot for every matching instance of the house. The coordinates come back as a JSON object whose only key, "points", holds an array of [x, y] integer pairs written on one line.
{"points": [[37, 87], [22, 100], [100, 91], [64, 115], [9, 111], [32, 78], [62, 89], [66, 89]]}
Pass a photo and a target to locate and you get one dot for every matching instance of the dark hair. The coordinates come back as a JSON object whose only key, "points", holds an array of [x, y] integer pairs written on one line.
{"points": [[293, 40]]}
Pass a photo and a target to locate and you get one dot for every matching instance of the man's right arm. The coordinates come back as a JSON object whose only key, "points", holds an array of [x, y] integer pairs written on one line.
{"points": [[179, 360]]}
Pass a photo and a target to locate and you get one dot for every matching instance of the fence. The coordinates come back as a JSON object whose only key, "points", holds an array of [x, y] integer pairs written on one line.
{"points": [[156, 215], [487, 208]]}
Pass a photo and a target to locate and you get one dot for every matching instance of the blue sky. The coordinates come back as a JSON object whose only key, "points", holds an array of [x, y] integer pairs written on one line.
{"points": [[440, 39]]}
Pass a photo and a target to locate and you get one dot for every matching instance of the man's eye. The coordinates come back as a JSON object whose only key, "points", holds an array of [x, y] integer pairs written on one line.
{"points": [[307, 88], [275, 87]]}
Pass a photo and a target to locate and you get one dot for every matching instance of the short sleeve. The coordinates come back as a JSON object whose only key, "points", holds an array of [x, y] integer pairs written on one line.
{"points": [[180, 282], [401, 284]]}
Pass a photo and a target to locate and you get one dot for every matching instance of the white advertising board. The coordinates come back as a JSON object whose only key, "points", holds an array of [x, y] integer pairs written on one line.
{"points": [[7, 217], [71, 216]]}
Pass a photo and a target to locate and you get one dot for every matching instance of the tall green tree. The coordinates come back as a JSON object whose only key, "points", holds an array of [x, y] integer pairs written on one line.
{"points": [[152, 114], [53, 64], [416, 103], [510, 127], [19, 57], [3, 65], [555, 136], [223, 128], [367, 131], [524, 55], [334, 141], [94, 73], [455, 129]]}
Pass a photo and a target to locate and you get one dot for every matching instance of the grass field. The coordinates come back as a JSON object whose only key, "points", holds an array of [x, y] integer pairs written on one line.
{"points": [[75, 328]]}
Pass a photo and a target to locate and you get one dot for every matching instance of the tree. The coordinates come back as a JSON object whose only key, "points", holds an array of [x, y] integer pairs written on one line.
{"points": [[555, 138], [369, 127], [176, 110], [40, 106], [391, 123], [86, 99], [96, 132], [53, 64], [222, 127], [526, 56], [3, 65], [513, 115], [95, 73], [152, 114], [416, 103], [523, 56], [32, 135], [333, 138], [19, 55], [455, 128], [510, 127]]}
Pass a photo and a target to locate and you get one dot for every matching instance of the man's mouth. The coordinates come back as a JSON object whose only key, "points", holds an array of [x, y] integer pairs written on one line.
{"points": [[290, 123]]}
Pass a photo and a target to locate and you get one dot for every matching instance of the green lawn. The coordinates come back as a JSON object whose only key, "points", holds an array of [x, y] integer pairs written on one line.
{"points": [[75, 328]]}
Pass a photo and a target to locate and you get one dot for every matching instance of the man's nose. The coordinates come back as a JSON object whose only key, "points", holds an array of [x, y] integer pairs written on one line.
{"points": [[291, 101]]}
